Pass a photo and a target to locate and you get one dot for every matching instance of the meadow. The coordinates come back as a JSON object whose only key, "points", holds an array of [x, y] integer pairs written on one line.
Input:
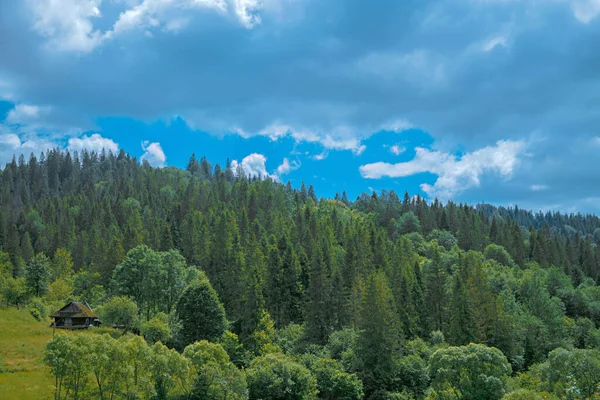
{"points": [[23, 375]]}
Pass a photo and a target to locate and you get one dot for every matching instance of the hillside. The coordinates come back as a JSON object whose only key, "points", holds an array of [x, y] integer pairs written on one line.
{"points": [[23, 375], [378, 296]]}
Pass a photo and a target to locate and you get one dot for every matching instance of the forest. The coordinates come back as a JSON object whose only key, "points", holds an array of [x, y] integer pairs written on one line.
{"points": [[233, 287]]}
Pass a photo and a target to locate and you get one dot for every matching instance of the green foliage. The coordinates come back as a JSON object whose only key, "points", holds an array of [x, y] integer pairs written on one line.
{"points": [[499, 254], [157, 328], [203, 351], [380, 339], [13, 291], [235, 350], [38, 309], [312, 278], [170, 371], [217, 377], [154, 280], [220, 382], [469, 372], [69, 363], [120, 311], [59, 291], [201, 313], [408, 223], [277, 377], [62, 265], [573, 373], [334, 383], [412, 375], [37, 275], [262, 340], [291, 339], [341, 342], [444, 238], [86, 287], [526, 394]]}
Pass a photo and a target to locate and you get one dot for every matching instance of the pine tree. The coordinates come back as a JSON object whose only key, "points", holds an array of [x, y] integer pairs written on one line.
{"points": [[253, 299], [26, 248], [317, 316], [381, 338], [435, 277], [462, 325]]}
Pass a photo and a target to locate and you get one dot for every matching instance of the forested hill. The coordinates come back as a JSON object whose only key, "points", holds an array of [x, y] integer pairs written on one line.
{"points": [[90, 202], [561, 224], [396, 275]]}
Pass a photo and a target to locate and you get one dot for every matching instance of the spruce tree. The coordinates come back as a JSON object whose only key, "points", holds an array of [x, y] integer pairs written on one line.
{"points": [[380, 340]]}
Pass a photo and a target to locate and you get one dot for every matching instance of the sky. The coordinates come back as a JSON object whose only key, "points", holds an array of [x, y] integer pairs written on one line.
{"points": [[494, 101]]}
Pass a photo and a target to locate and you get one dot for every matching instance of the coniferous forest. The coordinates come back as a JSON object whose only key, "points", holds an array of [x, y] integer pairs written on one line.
{"points": [[229, 287]]}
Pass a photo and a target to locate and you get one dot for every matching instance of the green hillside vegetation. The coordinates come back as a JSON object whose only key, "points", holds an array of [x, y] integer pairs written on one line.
{"points": [[251, 289], [23, 374]]}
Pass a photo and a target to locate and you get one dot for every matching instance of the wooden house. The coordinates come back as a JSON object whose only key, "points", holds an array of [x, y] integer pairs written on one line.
{"points": [[75, 315]]}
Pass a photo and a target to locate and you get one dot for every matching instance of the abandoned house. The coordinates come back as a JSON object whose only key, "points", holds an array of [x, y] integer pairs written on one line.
{"points": [[75, 315]]}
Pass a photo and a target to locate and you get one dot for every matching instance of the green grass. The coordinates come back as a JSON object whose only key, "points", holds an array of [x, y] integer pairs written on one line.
{"points": [[23, 374]]}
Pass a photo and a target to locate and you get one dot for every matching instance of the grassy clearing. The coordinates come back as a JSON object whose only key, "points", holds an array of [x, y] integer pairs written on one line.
{"points": [[23, 374]]}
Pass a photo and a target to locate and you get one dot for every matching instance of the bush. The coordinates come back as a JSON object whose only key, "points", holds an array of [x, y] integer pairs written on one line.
{"points": [[157, 329], [120, 311], [38, 309]]}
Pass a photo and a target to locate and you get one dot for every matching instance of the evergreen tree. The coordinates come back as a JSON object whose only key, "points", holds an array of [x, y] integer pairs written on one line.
{"points": [[380, 339], [317, 316]]}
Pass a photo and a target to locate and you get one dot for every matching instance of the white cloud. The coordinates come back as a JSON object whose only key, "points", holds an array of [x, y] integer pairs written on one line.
{"points": [[12, 145], [67, 23], [152, 13], [30, 120], [154, 154], [494, 42], [320, 156], [586, 10], [337, 138], [26, 114], [538, 188], [396, 149], [286, 167], [398, 125], [454, 174], [358, 151], [95, 142], [177, 24], [254, 165], [247, 12]]}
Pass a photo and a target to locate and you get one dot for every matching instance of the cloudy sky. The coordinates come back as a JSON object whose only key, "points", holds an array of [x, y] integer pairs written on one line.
{"points": [[493, 101]]}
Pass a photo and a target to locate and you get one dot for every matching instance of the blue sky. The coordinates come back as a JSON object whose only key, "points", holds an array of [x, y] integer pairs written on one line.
{"points": [[472, 100]]}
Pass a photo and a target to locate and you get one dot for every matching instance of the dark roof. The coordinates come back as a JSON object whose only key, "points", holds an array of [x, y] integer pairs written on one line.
{"points": [[74, 310]]}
